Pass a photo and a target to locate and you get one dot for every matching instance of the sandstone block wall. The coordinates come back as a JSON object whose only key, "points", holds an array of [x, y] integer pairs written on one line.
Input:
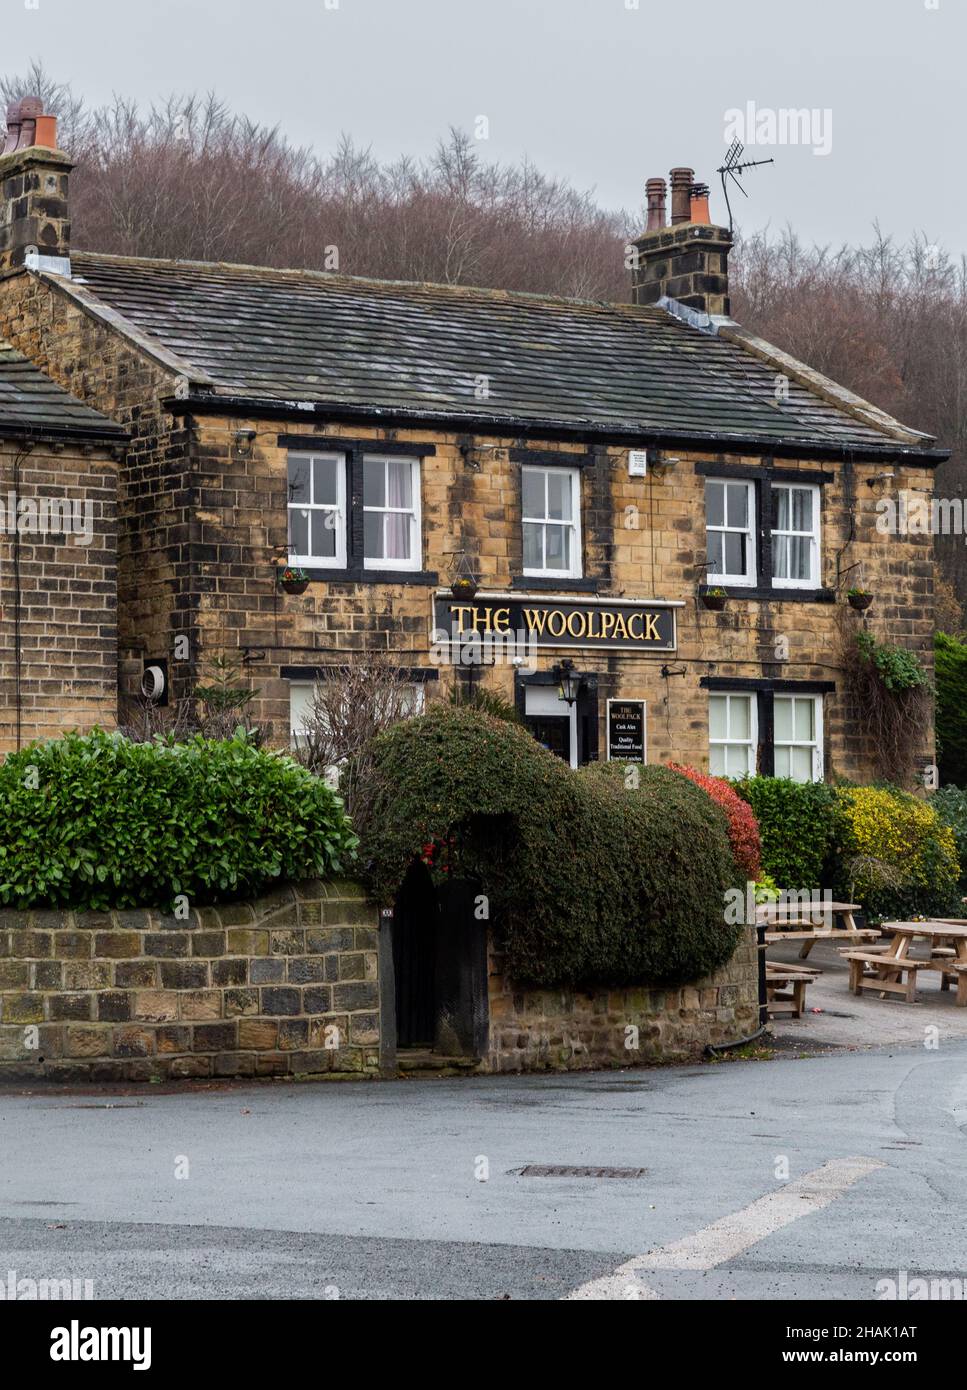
{"points": [[564, 1030], [66, 591], [93, 362], [284, 985]]}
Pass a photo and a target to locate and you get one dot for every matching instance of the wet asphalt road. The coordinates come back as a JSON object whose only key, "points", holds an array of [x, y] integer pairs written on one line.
{"points": [[414, 1190]]}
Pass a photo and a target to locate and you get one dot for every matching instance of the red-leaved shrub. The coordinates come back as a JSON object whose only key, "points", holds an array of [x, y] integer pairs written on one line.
{"points": [[743, 826]]}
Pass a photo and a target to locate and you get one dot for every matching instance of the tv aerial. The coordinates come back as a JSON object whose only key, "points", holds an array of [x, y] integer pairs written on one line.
{"points": [[732, 169]]}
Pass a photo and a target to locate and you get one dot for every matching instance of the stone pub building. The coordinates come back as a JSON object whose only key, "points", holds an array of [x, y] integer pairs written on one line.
{"points": [[637, 521]]}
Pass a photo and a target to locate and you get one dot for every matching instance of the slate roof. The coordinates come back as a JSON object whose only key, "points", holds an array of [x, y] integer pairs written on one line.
{"points": [[300, 336], [32, 404]]}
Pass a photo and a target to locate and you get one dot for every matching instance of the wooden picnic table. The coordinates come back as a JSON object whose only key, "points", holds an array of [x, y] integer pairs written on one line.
{"points": [[798, 921], [786, 988], [883, 972]]}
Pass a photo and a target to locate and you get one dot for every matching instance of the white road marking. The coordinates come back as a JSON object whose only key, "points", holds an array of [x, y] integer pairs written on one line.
{"points": [[731, 1235]]}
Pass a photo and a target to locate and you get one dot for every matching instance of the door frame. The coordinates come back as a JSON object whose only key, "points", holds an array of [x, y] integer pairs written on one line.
{"points": [[583, 713]]}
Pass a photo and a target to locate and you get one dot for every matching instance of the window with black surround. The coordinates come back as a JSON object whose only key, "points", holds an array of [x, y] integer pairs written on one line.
{"points": [[763, 529], [773, 727], [551, 520], [730, 531], [317, 509], [553, 494], [355, 509], [391, 512]]}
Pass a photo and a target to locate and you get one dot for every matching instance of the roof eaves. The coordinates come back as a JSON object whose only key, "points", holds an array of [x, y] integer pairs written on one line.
{"points": [[615, 432], [64, 434]]}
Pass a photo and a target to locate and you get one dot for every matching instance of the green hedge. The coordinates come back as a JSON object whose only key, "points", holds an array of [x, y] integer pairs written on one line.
{"points": [[96, 821], [951, 683], [950, 804], [878, 845], [588, 882], [797, 826]]}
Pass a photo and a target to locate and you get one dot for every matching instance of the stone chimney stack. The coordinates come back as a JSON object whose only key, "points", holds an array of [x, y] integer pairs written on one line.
{"points": [[687, 261], [34, 214]]}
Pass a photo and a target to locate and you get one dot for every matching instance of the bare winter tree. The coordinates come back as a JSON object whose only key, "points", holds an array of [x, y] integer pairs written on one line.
{"points": [[888, 321], [349, 708], [189, 179]]}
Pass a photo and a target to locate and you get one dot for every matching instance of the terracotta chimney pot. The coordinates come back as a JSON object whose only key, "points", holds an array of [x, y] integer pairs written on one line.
{"points": [[46, 132], [699, 204]]}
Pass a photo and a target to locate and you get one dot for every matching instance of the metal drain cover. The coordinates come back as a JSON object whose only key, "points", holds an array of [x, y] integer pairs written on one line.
{"points": [[566, 1170]]}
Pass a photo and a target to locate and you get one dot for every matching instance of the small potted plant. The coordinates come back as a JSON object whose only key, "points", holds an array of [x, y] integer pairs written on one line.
{"points": [[714, 598], [293, 580], [859, 599]]}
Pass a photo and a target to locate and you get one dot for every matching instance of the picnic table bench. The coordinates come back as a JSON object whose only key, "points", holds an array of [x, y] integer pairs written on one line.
{"points": [[786, 988], [798, 921], [894, 971]]}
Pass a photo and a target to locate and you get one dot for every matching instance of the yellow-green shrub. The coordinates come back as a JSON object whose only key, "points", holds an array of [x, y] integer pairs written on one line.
{"points": [[894, 854]]}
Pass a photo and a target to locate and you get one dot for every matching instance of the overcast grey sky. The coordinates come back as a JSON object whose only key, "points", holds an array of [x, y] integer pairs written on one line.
{"points": [[602, 92]]}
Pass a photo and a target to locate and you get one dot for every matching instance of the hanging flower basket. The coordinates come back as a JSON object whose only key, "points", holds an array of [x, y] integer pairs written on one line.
{"points": [[463, 579], [293, 581], [463, 586], [860, 599], [714, 599]]}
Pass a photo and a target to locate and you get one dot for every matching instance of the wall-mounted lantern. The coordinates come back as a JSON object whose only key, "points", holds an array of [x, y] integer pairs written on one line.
{"points": [[568, 681]]}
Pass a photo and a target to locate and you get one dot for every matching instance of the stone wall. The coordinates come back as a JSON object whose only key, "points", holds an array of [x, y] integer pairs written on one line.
{"points": [[562, 1030], [282, 986], [67, 593]]}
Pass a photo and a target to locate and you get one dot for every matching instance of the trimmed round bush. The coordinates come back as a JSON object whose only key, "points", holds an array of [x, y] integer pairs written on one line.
{"points": [[96, 821], [797, 825], [589, 880], [895, 855], [743, 828]]}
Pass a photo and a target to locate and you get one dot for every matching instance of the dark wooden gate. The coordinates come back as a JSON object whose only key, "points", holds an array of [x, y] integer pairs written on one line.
{"points": [[440, 961], [414, 958]]}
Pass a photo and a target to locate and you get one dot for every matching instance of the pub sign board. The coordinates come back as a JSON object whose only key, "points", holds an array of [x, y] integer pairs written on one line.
{"points": [[626, 731], [608, 624]]}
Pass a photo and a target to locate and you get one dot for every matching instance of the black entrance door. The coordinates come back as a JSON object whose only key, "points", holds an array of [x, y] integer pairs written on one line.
{"points": [[414, 959], [552, 732]]}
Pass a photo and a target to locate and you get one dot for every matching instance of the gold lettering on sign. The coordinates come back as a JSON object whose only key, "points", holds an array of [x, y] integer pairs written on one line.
{"points": [[581, 625]]}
